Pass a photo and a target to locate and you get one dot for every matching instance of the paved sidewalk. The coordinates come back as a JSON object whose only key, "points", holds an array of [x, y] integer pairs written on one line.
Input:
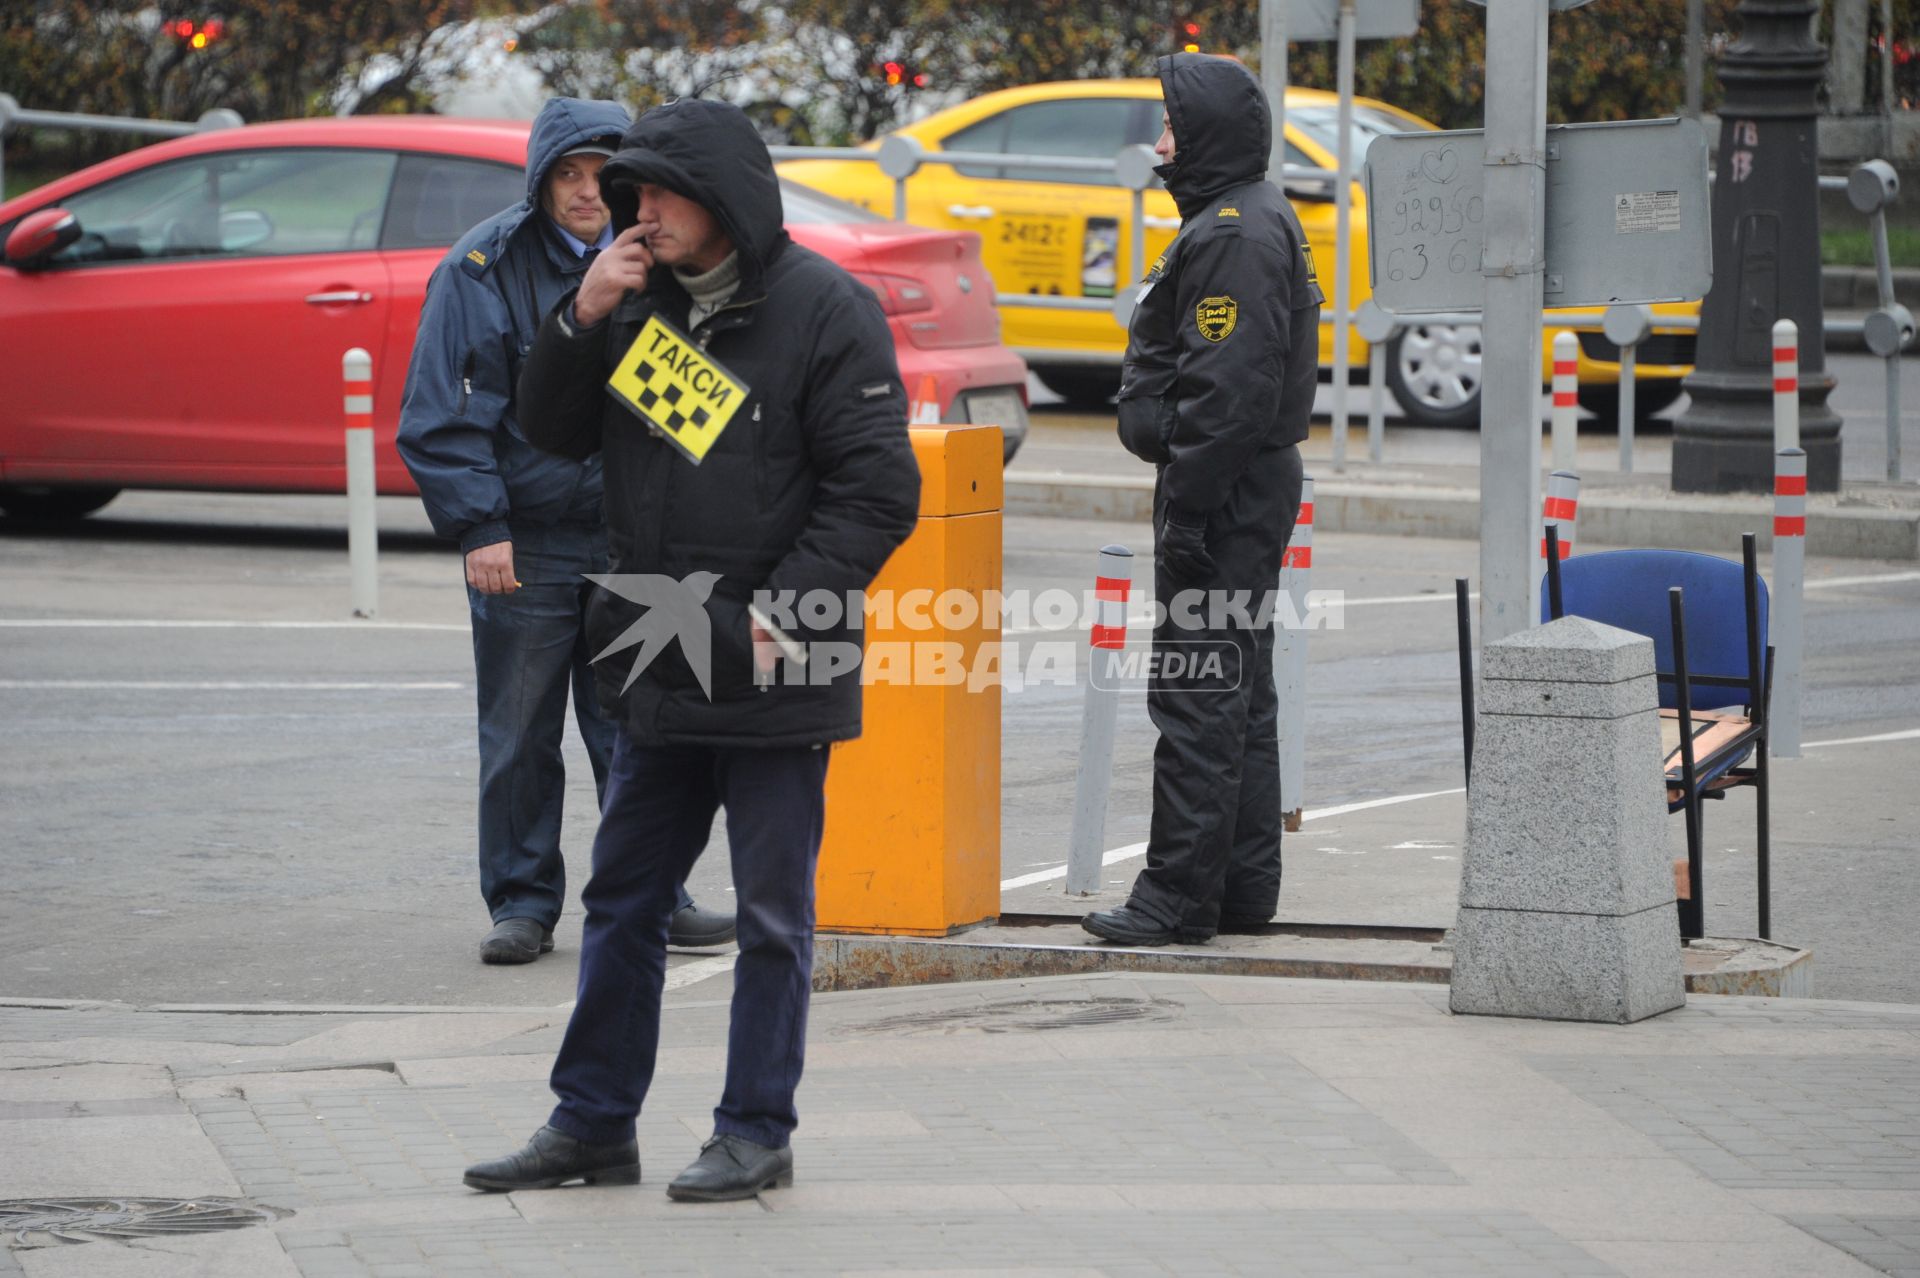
{"points": [[1095, 1127]]}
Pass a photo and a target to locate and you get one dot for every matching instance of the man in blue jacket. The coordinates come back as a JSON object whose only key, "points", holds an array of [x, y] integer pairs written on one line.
{"points": [[528, 522]]}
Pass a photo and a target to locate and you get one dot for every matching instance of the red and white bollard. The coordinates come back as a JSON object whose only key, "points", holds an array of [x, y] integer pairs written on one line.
{"points": [[1786, 385], [1566, 400], [1786, 626], [1560, 509], [1086, 852], [1290, 658], [363, 534]]}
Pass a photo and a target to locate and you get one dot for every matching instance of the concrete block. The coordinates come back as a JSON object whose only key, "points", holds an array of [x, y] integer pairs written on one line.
{"points": [[1567, 815], [1547, 697], [1567, 967], [1570, 650], [1566, 895]]}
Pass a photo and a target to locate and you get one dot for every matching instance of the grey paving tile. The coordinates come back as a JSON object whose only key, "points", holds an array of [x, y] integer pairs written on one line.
{"points": [[1765, 1121], [1392, 1245]]}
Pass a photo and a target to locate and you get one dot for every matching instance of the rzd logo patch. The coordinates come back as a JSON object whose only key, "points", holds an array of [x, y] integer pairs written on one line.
{"points": [[1216, 317], [673, 386]]}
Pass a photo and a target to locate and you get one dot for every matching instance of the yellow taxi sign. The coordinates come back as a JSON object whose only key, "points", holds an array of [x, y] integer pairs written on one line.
{"points": [[674, 387]]}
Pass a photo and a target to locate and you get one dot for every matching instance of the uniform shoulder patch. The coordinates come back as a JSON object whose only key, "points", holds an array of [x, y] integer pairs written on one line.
{"points": [[1313, 273], [1229, 211], [1215, 317], [477, 257]]}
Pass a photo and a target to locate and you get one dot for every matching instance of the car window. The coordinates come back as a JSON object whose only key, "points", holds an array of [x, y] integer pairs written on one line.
{"points": [[240, 204], [989, 134], [805, 207], [438, 198], [1322, 124], [1095, 128]]}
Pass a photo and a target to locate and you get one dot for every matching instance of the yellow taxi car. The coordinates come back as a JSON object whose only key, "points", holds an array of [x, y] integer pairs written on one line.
{"points": [[1068, 234]]}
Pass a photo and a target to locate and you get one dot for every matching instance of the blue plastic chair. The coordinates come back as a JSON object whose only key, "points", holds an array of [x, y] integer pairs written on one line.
{"points": [[1707, 618]]}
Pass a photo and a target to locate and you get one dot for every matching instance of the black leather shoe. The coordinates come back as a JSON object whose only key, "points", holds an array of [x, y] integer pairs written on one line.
{"points": [[731, 1167], [694, 927], [516, 940], [1129, 926], [553, 1158]]}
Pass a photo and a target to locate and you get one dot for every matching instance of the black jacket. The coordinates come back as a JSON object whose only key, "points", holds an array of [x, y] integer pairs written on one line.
{"points": [[811, 485], [1223, 348], [484, 303]]}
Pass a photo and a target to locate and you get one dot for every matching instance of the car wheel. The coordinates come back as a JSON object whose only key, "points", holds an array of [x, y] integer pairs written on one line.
{"points": [[33, 501], [1433, 370], [1649, 397], [1091, 389]]}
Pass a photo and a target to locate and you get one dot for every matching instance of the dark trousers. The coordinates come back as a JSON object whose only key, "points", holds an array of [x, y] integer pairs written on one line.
{"points": [[529, 648], [654, 824], [1213, 847]]}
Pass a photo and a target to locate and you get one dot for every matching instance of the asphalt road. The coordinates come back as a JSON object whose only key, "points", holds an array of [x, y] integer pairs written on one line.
{"points": [[220, 788]]}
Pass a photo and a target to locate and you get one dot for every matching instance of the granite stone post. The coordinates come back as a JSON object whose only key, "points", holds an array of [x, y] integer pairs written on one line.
{"points": [[1566, 891]]}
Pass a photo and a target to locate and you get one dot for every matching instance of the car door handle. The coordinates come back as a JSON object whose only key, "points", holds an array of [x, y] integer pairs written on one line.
{"points": [[970, 212], [351, 295], [1160, 223]]}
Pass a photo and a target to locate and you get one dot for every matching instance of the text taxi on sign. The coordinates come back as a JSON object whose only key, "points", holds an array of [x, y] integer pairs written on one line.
{"points": [[677, 389]]}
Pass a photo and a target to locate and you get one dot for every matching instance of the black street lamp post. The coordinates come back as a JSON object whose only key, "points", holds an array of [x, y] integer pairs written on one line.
{"points": [[1766, 264]]}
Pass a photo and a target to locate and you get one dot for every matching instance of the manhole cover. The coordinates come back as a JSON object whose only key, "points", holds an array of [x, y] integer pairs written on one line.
{"points": [[1027, 1016], [81, 1219]]}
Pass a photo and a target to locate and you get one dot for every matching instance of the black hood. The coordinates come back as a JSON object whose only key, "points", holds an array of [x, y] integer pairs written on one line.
{"points": [[1222, 130], [711, 153]]}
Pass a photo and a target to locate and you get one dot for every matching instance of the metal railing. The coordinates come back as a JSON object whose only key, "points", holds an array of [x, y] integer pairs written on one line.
{"points": [[12, 117], [900, 157], [1887, 330]]}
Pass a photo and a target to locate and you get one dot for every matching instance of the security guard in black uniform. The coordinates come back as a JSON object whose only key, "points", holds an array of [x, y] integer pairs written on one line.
{"points": [[1222, 360]]}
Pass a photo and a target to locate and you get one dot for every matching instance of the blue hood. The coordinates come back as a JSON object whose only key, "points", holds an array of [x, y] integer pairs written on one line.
{"points": [[563, 124]]}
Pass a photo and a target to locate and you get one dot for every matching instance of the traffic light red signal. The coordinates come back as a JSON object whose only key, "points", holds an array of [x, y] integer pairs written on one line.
{"points": [[899, 73], [1190, 36], [196, 35]]}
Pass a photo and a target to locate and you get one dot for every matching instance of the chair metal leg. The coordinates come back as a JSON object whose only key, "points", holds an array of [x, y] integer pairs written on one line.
{"points": [[1693, 911], [1763, 810], [1465, 624]]}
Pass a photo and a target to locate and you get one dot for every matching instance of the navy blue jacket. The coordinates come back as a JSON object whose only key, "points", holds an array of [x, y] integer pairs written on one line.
{"points": [[459, 433]]}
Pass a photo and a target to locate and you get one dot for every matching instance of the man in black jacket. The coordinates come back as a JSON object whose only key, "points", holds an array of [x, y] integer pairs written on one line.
{"points": [[1222, 360], [703, 332], [528, 522]]}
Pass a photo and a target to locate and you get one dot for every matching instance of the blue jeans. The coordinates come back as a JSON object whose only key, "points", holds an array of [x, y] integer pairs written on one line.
{"points": [[528, 647], [654, 824]]}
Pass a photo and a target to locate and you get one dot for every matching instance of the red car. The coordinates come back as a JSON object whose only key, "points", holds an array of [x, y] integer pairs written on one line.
{"points": [[183, 327]]}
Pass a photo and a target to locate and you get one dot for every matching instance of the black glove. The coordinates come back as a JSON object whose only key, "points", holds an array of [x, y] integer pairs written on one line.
{"points": [[1183, 546]]}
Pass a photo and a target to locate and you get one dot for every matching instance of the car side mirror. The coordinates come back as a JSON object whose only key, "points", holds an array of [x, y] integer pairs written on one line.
{"points": [[242, 229], [38, 236], [1308, 190]]}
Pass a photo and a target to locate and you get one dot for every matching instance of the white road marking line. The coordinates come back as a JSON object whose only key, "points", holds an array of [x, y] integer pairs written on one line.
{"points": [[1134, 622], [108, 623], [1907, 734], [1137, 849], [699, 970], [681, 976], [1877, 579], [231, 685]]}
